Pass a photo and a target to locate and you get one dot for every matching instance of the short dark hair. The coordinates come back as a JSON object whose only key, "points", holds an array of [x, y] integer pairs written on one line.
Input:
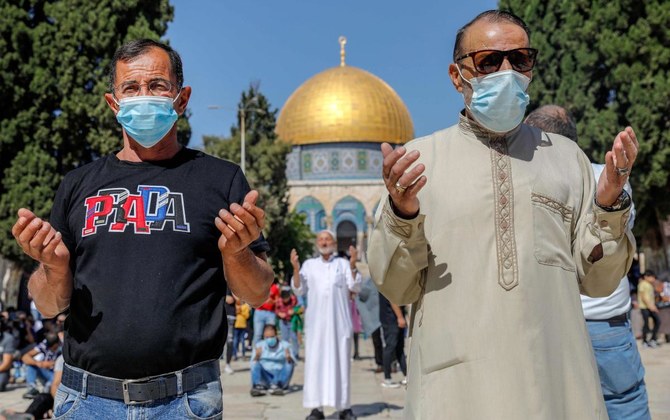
{"points": [[553, 119], [51, 339], [273, 326], [649, 273], [492, 16], [133, 49]]}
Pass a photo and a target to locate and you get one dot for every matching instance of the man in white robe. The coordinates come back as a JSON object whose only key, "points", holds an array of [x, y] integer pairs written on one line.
{"points": [[327, 280], [490, 229]]}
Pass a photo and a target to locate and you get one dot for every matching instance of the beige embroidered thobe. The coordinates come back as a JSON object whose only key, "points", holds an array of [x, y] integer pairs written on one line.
{"points": [[494, 265]]}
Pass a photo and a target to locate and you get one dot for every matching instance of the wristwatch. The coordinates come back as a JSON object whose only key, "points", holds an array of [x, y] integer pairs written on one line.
{"points": [[622, 202]]}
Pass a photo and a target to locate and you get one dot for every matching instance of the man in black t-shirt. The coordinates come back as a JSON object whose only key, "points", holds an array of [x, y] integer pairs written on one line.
{"points": [[140, 246], [393, 322]]}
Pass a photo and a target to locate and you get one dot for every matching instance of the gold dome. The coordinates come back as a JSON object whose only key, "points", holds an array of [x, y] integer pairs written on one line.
{"points": [[344, 104]]}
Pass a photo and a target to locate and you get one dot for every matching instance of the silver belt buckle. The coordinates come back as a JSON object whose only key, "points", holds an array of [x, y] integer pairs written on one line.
{"points": [[126, 395]]}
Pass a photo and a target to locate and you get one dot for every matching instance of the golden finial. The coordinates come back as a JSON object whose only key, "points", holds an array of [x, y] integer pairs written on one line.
{"points": [[343, 42]]}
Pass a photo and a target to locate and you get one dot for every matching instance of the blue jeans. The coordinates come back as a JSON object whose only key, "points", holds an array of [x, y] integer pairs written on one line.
{"points": [[203, 402], [620, 369], [238, 338], [33, 373], [261, 319], [287, 334], [280, 377]]}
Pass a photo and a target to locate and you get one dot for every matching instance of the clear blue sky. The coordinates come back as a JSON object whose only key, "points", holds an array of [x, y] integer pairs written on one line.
{"points": [[227, 44]]}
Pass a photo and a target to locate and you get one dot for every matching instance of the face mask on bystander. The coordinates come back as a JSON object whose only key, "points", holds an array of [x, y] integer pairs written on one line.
{"points": [[147, 119]]}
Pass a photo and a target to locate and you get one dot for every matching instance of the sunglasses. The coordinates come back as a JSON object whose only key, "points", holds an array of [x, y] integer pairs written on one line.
{"points": [[489, 61]]}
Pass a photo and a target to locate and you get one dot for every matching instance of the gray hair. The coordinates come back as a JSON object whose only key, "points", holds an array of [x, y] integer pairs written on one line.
{"points": [[553, 119]]}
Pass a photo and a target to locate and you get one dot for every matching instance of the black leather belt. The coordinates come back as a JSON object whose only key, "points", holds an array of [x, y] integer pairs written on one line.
{"points": [[143, 390], [619, 319]]}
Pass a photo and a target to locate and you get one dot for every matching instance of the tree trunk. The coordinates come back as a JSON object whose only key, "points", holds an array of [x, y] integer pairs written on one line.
{"points": [[10, 273]]}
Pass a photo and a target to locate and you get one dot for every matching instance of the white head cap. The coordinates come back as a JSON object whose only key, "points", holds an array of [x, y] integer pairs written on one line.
{"points": [[328, 231]]}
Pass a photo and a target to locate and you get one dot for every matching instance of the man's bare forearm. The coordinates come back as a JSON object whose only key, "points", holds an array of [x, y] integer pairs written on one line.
{"points": [[397, 311], [51, 290], [296, 278], [249, 276]]}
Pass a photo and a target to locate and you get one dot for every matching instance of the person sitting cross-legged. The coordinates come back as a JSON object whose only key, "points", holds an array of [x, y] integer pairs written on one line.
{"points": [[40, 363], [272, 364]]}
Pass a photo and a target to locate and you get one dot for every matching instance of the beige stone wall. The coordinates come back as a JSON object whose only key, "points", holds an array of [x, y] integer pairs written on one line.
{"points": [[368, 192], [329, 193]]}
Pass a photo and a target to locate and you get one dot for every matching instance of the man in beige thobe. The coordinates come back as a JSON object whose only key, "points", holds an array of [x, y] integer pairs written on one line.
{"points": [[491, 229]]}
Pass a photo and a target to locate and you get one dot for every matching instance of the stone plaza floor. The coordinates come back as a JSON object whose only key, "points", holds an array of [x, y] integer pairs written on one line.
{"points": [[369, 399]]}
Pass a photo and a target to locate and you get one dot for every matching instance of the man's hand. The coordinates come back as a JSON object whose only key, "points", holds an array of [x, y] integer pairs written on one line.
{"points": [[46, 364], [353, 256], [400, 317], [240, 226], [41, 241], [401, 184], [618, 164], [51, 284]]}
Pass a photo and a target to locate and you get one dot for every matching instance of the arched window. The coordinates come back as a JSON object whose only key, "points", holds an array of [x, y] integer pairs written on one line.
{"points": [[314, 211]]}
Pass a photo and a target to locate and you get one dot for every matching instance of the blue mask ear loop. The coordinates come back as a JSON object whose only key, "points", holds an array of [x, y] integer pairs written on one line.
{"points": [[177, 97], [461, 74], [467, 106]]}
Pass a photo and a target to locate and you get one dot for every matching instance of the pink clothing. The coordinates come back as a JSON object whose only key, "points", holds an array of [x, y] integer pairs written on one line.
{"points": [[355, 317], [281, 307]]}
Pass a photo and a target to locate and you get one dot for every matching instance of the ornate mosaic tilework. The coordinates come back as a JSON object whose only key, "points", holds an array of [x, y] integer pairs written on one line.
{"points": [[307, 163], [362, 160], [335, 161]]}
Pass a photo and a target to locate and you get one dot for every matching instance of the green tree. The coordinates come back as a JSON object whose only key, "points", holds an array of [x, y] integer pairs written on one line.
{"points": [[607, 61], [266, 172], [54, 57]]}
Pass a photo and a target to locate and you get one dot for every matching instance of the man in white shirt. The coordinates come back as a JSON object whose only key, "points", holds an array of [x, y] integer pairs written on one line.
{"points": [[619, 365]]}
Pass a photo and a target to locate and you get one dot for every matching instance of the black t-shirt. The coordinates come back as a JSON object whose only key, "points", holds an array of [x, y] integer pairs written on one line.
{"points": [[230, 308], [386, 314], [149, 289]]}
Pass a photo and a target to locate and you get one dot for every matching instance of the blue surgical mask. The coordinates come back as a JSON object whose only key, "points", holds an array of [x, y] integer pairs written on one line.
{"points": [[147, 119], [498, 100], [272, 341]]}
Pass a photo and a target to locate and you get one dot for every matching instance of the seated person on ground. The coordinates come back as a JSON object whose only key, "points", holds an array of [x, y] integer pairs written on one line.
{"points": [[40, 364], [271, 364]]}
